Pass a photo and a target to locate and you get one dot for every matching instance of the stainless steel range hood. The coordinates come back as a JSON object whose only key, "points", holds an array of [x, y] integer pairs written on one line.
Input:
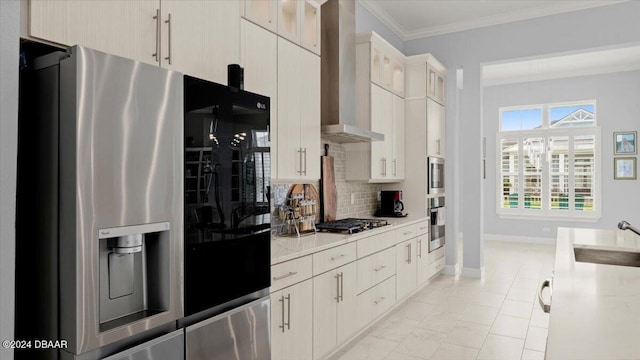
{"points": [[338, 95]]}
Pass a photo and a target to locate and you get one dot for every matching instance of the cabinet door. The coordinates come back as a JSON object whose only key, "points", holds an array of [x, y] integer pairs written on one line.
{"points": [[289, 19], [310, 26], [406, 275], [326, 289], [263, 13], [291, 322], [381, 121], [435, 129], [259, 58], [289, 107], [435, 84], [422, 253], [309, 91], [105, 25], [347, 323], [398, 138], [201, 37]]}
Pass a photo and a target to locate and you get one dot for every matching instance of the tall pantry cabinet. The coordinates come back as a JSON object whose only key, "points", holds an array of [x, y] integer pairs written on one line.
{"points": [[290, 72], [425, 124]]}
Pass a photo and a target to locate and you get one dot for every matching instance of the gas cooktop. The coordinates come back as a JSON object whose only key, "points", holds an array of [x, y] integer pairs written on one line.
{"points": [[351, 225]]}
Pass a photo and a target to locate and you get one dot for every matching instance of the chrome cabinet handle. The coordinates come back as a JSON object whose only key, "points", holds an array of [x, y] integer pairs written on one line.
{"points": [[288, 311], [382, 167], [337, 298], [438, 142], [341, 286], [394, 167], [282, 326], [546, 283], [378, 268], [379, 300], [300, 160], [406, 233], [168, 22], [290, 273], [420, 248], [409, 253], [305, 161], [338, 257], [157, 19]]}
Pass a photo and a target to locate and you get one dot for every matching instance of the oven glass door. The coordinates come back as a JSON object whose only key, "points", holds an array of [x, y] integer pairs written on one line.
{"points": [[436, 232]]}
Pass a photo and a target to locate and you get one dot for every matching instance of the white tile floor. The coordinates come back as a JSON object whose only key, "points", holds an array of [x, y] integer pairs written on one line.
{"points": [[458, 318]]}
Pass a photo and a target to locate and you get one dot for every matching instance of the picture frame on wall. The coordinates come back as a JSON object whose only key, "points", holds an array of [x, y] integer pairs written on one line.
{"points": [[624, 168], [624, 143]]}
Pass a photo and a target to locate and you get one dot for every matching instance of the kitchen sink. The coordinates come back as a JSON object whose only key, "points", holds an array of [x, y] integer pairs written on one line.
{"points": [[609, 257]]}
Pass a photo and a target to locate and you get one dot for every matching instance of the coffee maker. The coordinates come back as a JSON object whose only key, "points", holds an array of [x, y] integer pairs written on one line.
{"points": [[391, 204]]}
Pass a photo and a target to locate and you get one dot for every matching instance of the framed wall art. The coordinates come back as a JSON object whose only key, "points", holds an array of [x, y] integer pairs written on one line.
{"points": [[624, 168], [624, 143]]}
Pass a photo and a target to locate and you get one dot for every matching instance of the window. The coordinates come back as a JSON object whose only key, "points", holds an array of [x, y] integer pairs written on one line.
{"points": [[548, 158]]}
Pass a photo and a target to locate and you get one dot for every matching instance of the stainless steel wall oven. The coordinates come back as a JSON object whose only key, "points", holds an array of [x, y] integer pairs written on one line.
{"points": [[437, 212]]}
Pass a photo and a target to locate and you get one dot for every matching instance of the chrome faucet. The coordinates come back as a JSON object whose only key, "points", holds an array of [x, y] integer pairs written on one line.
{"points": [[623, 225]]}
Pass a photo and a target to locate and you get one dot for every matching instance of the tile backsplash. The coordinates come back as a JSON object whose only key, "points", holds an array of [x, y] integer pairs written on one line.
{"points": [[366, 195]]}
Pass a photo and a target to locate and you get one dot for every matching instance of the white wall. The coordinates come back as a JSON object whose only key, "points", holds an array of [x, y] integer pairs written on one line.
{"points": [[9, 36], [366, 21], [591, 28], [617, 109]]}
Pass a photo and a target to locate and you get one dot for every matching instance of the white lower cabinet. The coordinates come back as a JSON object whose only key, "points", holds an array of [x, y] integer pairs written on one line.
{"points": [[334, 308], [376, 301], [291, 322], [406, 268], [422, 253]]}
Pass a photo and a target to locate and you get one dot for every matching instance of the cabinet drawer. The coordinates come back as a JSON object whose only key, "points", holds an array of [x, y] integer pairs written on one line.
{"points": [[436, 267], [422, 227], [290, 272], [373, 244], [407, 232], [333, 258], [375, 268], [375, 301], [436, 255]]}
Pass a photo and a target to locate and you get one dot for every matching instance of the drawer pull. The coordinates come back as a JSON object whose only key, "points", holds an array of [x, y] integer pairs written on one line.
{"points": [[379, 300], [545, 284], [407, 233], [338, 257], [378, 268], [290, 273]]}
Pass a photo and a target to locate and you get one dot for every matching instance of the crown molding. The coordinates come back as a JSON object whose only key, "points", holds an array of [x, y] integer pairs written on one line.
{"points": [[405, 35]]}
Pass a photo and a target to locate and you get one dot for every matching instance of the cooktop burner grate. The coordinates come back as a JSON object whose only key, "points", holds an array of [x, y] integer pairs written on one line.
{"points": [[351, 225]]}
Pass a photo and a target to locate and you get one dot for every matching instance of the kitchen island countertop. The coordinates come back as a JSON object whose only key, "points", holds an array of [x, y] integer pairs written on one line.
{"points": [[595, 308], [288, 248]]}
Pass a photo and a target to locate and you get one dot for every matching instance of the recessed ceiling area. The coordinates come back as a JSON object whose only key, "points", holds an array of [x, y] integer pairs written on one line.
{"points": [[412, 19], [562, 66]]}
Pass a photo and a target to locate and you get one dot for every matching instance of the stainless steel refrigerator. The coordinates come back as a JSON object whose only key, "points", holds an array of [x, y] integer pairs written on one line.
{"points": [[100, 207]]}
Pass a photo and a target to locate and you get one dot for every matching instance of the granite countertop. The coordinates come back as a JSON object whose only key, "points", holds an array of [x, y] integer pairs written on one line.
{"points": [[595, 308], [289, 248]]}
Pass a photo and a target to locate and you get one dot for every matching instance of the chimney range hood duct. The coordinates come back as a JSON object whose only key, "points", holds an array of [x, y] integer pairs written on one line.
{"points": [[338, 91]]}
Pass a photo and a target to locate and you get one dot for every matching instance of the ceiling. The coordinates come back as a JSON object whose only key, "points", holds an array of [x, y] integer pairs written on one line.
{"points": [[413, 19]]}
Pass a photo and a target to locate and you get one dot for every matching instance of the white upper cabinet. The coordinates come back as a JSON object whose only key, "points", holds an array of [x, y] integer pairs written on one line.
{"points": [[435, 129], [310, 26], [199, 38], [385, 63], [298, 138], [263, 13], [123, 28], [435, 82], [398, 147]]}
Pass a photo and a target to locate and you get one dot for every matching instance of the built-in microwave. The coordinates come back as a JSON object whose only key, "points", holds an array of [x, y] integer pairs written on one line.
{"points": [[435, 172]]}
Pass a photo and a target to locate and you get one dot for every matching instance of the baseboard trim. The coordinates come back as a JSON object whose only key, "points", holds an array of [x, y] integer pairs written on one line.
{"points": [[520, 239], [452, 269], [473, 272]]}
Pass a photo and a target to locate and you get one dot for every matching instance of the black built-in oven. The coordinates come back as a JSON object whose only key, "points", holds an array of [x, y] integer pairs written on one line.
{"points": [[227, 175]]}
